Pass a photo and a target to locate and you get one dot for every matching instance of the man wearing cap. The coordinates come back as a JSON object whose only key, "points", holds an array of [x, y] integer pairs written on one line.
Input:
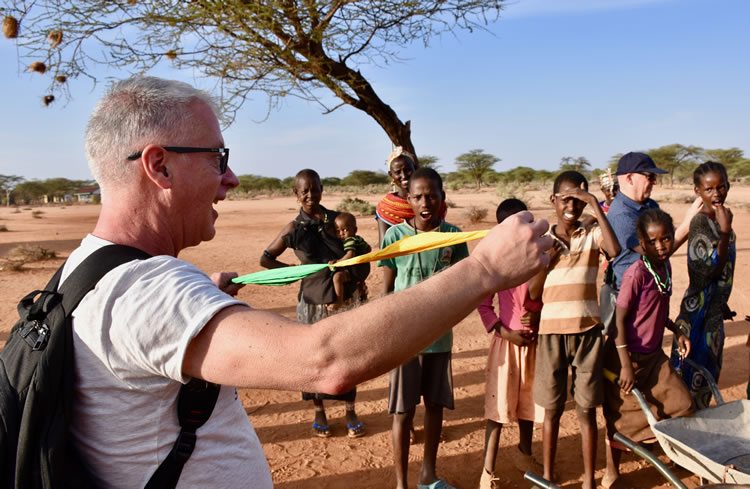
{"points": [[636, 174]]}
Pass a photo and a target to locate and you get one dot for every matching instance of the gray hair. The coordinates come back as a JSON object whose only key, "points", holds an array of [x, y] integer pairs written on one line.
{"points": [[133, 113]]}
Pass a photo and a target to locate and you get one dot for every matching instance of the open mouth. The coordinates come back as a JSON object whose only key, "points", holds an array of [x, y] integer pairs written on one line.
{"points": [[426, 215], [569, 215]]}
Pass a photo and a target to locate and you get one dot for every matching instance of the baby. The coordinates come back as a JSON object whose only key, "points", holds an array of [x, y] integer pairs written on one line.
{"points": [[354, 245]]}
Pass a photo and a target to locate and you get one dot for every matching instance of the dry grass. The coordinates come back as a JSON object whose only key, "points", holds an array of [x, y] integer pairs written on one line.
{"points": [[475, 214], [30, 253]]}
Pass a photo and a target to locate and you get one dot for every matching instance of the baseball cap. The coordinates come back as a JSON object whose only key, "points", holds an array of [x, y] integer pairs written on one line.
{"points": [[637, 163]]}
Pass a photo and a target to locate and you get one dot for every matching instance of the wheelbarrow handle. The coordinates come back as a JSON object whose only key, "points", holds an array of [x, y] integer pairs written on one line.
{"points": [[645, 407], [650, 458], [540, 481], [709, 379]]}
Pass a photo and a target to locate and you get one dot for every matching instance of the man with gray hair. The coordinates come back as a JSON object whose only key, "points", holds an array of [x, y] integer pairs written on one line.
{"points": [[151, 325]]}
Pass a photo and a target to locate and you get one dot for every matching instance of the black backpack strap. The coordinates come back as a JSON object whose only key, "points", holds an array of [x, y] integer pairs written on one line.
{"points": [[86, 275], [194, 406]]}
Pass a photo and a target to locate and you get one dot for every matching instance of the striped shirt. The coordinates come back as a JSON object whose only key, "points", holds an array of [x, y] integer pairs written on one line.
{"points": [[569, 297]]}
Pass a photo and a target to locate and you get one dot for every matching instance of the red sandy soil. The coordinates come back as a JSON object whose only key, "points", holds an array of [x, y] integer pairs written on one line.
{"points": [[282, 420]]}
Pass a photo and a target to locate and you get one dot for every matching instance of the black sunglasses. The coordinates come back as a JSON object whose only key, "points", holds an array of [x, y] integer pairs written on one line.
{"points": [[222, 152], [650, 176]]}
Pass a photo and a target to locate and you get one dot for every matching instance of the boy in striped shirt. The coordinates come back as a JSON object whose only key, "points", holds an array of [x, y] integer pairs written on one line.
{"points": [[570, 330]]}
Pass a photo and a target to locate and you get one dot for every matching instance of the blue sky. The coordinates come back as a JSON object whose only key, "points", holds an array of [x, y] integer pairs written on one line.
{"points": [[552, 78]]}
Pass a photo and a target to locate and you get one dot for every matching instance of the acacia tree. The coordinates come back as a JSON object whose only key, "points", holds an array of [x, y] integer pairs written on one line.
{"points": [[7, 184], [476, 163], [673, 156], [304, 48], [580, 164]]}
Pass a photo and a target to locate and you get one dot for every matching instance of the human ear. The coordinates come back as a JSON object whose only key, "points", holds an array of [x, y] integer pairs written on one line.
{"points": [[153, 163]]}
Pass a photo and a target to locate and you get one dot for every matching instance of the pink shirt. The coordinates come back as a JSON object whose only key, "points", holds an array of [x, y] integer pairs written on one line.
{"points": [[648, 310], [512, 304]]}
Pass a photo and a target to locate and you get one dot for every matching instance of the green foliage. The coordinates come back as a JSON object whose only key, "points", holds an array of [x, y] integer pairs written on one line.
{"points": [[361, 178], [580, 164], [672, 157], [355, 205], [7, 184], [477, 164], [429, 161], [255, 184], [330, 182]]}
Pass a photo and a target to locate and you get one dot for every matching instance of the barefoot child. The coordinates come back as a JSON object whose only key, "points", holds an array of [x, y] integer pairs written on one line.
{"points": [[635, 354], [510, 368], [570, 330], [354, 245], [427, 375], [313, 238], [711, 254]]}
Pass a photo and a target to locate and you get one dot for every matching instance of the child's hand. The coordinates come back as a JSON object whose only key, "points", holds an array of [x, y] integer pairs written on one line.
{"points": [[223, 280], [523, 337], [723, 218], [627, 378], [683, 346], [579, 194], [530, 319]]}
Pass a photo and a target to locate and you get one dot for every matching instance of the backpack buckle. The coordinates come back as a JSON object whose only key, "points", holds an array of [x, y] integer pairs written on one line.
{"points": [[35, 334]]}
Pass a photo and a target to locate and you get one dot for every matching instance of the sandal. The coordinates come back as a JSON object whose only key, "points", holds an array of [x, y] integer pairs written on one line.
{"points": [[355, 430], [438, 484], [321, 430]]}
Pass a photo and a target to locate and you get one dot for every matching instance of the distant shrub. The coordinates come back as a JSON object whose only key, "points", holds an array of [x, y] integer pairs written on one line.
{"points": [[37, 214], [356, 205], [475, 214], [450, 204], [3, 228], [30, 253]]}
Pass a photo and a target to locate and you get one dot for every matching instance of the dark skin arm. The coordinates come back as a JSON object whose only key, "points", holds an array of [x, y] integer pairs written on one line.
{"points": [[627, 376], [276, 248], [389, 280], [382, 228]]}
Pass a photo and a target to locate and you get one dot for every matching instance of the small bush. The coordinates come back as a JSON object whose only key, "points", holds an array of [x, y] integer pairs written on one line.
{"points": [[475, 214], [30, 253], [11, 265], [356, 205], [3, 228], [37, 214], [450, 204]]}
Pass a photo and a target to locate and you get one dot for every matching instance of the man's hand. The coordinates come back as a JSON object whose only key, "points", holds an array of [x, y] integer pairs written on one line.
{"points": [[514, 251], [223, 281]]}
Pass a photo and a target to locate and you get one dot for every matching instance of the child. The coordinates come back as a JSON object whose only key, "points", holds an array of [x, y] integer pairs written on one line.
{"points": [[427, 375], [354, 245], [313, 238], [711, 255], [635, 354], [393, 208], [610, 188], [510, 367], [570, 328]]}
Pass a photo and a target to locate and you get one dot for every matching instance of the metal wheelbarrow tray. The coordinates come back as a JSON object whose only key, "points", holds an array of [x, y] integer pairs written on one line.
{"points": [[714, 443]]}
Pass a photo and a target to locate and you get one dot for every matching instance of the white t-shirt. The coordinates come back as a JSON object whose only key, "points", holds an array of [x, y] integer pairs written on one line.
{"points": [[130, 336]]}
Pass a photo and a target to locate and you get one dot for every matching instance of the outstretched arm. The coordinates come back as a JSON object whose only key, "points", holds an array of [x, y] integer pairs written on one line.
{"points": [[245, 347], [276, 248]]}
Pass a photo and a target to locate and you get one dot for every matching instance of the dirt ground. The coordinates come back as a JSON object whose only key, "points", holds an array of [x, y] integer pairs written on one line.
{"points": [[282, 420]]}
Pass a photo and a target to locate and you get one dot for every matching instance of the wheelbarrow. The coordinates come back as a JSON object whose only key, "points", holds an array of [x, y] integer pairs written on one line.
{"points": [[714, 443]]}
